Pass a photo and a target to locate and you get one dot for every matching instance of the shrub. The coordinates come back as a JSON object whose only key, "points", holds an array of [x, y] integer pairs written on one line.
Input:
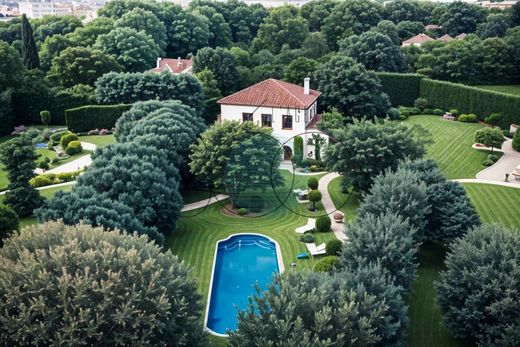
{"points": [[103, 132], [45, 117], [46, 134], [56, 136], [67, 138], [9, 222], [493, 157], [242, 211], [85, 118], [403, 89], [311, 162], [334, 247], [516, 141], [298, 151], [487, 162], [43, 164], [478, 291], [494, 119], [40, 181], [314, 196], [74, 147], [472, 100], [393, 113], [454, 112], [323, 224], [421, 103], [93, 132], [429, 111], [326, 264], [312, 183], [307, 238], [438, 112], [507, 133], [467, 118], [44, 256]]}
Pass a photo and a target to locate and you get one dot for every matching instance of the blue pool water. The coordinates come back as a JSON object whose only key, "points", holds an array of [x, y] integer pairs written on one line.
{"points": [[241, 261]]}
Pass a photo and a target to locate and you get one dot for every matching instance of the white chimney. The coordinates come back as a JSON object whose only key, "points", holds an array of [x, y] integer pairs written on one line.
{"points": [[306, 88], [179, 62], [158, 62]]}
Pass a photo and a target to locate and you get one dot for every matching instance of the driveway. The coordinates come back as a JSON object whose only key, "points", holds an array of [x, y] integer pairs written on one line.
{"points": [[506, 164]]}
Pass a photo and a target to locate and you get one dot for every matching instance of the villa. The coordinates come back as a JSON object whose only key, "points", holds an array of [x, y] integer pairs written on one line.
{"points": [[289, 109], [175, 66]]}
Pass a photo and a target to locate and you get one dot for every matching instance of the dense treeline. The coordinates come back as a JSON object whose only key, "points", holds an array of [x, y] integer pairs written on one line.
{"points": [[235, 45]]}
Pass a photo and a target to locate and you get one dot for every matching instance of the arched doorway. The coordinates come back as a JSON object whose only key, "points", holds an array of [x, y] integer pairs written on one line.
{"points": [[287, 153]]}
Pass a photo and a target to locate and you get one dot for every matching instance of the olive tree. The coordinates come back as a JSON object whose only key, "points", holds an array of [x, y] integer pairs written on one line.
{"points": [[94, 287]]}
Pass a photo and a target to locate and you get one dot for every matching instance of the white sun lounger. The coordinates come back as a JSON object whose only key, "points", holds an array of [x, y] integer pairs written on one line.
{"points": [[311, 224], [316, 250]]}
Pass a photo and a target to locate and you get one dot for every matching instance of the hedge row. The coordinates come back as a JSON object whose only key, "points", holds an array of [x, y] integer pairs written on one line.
{"points": [[90, 117], [402, 89], [447, 95]]}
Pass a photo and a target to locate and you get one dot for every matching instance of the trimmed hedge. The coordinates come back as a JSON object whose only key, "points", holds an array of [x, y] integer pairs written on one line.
{"points": [[467, 99], [403, 89], [90, 117]]}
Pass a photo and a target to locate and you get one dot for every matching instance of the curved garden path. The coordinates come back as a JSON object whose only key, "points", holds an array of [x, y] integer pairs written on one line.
{"points": [[506, 164], [203, 203], [328, 204]]}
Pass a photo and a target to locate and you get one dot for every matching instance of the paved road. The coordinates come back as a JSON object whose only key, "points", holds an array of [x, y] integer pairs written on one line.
{"points": [[481, 181], [328, 204], [506, 164]]}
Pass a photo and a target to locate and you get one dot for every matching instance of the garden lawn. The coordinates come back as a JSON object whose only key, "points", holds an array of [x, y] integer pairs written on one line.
{"points": [[99, 140], [495, 204], [451, 147], [508, 89], [346, 203]]}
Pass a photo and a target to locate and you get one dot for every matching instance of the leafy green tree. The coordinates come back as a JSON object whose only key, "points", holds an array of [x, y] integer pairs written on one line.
{"points": [[317, 141], [515, 14], [365, 149], [299, 69], [490, 137], [376, 281], [237, 157], [461, 17], [402, 10], [402, 194], [11, 30], [222, 64], [315, 12], [513, 41], [219, 29], [374, 50], [127, 88], [389, 29], [516, 141], [29, 50], [496, 25], [315, 46], [9, 223], [496, 60], [407, 29], [350, 18], [211, 93], [54, 25], [331, 120], [87, 35], [84, 204], [427, 169], [134, 50], [478, 291], [106, 313], [188, 33], [52, 47], [342, 76], [386, 239], [143, 20], [330, 311], [12, 73], [284, 25], [18, 157], [452, 213], [81, 65]]}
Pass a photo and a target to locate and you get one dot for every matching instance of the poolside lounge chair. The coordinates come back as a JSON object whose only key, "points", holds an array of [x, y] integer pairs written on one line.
{"points": [[300, 194], [311, 224], [316, 250]]}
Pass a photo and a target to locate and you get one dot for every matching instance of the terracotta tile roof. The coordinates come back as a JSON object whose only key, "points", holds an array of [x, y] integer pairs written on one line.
{"points": [[432, 27], [446, 38], [173, 65], [421, 38], [272, 93], [461, 36]]}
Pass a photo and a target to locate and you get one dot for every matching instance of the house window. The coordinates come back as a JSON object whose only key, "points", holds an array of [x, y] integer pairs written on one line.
{"points": [[247, 117], [286, 122], [267, 120]]}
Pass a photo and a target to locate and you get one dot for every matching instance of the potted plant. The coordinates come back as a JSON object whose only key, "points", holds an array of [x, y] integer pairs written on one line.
{"points": [[338, 217]]}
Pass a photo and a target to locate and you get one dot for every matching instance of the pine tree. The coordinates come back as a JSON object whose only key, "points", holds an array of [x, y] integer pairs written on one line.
{"points": [[29, 50]]}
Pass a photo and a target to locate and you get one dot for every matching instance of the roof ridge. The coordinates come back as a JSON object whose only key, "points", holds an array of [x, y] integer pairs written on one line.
{"points": [[288, 91], [243, 90]]}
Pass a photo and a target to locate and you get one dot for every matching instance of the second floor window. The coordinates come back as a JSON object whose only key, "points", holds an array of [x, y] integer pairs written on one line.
{"points": [[267, 120], [247, 117], [286, 122]]}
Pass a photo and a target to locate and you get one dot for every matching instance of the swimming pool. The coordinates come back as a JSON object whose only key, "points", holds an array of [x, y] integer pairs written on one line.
{"points": [[240, 261]]}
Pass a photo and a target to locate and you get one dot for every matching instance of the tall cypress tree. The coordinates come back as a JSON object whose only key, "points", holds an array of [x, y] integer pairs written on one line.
{"points": [[29, 50]]}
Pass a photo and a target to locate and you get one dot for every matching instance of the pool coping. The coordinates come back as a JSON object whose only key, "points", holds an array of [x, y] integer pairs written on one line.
{"points": [[280, 268]]}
